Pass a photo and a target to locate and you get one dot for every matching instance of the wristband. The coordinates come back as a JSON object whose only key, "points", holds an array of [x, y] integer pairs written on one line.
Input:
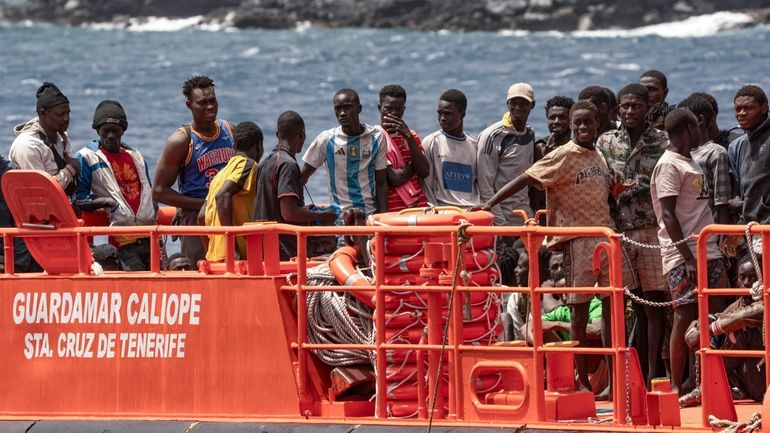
{"points": [[716, 329]]}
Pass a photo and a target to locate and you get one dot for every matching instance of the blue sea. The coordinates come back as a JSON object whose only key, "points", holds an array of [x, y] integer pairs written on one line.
{"points": [[261, 73]]}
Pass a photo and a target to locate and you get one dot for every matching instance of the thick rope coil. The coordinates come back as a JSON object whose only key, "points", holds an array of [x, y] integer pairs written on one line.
{"points": [[753, 424], [336, 318]]}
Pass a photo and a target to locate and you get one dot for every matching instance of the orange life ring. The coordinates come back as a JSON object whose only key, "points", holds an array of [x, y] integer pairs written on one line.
{"points": [[420, 301], [411, 263], [399, 372], [343, 267], [479, 313], [472, 332], [426, 217], [409, 244], [408, 390], [342, 264], [486, 277], [405, 356], [437, 216]]}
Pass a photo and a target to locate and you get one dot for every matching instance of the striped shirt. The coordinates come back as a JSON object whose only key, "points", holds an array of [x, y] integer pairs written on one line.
{"points": [[351, 163], [395, 202]]}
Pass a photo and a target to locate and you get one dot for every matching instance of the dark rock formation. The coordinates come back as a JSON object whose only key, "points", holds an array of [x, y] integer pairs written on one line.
{"points": [[562, 15]]}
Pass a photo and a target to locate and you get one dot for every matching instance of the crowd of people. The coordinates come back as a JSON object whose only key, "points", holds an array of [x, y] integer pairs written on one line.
{"points": [[629, 161]]}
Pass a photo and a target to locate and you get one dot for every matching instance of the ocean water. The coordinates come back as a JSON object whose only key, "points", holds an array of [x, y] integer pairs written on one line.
{"points": [[261, 73]]}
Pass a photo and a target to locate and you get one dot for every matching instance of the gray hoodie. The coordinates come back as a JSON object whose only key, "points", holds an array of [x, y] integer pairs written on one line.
{"points": [[30, 151]]}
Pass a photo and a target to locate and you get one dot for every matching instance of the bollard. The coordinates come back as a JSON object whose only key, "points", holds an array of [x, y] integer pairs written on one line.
{"points": [[662, 404]]}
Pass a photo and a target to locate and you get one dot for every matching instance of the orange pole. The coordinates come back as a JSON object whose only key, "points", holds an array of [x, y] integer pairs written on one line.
{"points": [[302, 355], [10, 263], [618, 329], [254, 254], [229, 253], [766, 299], [705, 331], [533, 243], [273, 260], [154, 252], [455, 393], [381, 408]]}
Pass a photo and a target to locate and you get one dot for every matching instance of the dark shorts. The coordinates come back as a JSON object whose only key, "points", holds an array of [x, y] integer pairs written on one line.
{"points": [[680, 287], [192, 246]]}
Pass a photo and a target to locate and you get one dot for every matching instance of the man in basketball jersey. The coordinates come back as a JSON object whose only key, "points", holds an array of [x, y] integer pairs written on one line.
{"points": [[191, 157]]}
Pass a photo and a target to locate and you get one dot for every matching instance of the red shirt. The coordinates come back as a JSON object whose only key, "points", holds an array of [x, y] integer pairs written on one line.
{"points": [[395, 203], [128, 178]]}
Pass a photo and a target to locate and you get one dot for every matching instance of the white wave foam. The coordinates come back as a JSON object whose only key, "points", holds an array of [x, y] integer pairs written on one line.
{"points": [[302, 26], [163, 24], [693, 27], [249, 53]]}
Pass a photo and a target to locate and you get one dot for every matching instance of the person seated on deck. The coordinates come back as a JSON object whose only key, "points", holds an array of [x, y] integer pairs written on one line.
{"points": [[407, 163], [575, 175], [517, 305], [452, 156], [22, 259], [681, 207], [233, 191], [738, 327], [279, 195], [556, 323], [179, 262], [42, 143], [355, 156], [115, 177]]}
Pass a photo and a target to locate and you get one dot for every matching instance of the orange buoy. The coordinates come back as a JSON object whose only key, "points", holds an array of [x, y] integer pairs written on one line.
{"points": [[411, 263], [437, 216], [343, 267]]}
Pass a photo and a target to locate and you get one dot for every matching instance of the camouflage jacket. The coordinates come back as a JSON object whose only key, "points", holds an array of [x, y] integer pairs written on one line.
{"points": [[634, 164]]}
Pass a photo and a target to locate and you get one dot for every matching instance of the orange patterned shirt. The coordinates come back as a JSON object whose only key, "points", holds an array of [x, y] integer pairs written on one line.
{"points": [[128, 178]]}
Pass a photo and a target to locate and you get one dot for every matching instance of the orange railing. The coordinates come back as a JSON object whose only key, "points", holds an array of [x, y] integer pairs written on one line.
{"points": [[262, 240], [713, 401]]}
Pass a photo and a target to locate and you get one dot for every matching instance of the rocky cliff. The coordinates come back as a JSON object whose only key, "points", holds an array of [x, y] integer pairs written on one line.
{"points": [[561, 15]]}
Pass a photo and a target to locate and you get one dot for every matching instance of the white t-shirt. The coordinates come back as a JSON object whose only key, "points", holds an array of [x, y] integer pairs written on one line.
{"points": [[681, 177], [351, 163], [452, 178]]}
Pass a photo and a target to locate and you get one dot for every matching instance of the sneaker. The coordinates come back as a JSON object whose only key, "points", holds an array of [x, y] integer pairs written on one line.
{"points": [[692, 398], [737, 393]]}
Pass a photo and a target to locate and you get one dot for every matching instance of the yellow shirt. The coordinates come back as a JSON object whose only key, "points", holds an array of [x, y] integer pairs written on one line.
{"points": [[243, 172]]}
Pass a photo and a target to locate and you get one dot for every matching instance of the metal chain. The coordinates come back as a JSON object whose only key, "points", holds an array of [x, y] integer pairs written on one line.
{"points": [[627, 356], [628, 240], [673, 303], [697, 371]]}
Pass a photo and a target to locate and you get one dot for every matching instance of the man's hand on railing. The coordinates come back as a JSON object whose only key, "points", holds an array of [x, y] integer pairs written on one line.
{"points": [[730, 245]]}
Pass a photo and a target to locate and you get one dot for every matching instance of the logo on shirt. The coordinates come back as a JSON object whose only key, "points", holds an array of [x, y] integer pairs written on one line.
{"points": [[340, 151], [457, 177], [700, 184], [587, 173]]}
